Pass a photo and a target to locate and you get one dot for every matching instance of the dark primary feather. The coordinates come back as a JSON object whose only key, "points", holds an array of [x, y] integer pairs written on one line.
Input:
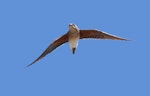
{"points": [[51, 47], [98, 35]]}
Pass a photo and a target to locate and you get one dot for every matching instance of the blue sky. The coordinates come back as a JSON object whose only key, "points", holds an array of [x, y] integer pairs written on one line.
{"points": [[99, 67]]}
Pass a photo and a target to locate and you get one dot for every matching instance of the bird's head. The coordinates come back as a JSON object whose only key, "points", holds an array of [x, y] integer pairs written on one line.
{"points": [[73, 26]]}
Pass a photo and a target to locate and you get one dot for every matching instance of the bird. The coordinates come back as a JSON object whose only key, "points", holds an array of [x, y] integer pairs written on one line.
{"points": [[73, 35]]}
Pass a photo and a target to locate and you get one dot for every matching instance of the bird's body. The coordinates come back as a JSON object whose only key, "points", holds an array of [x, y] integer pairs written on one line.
{"points": [[73, 36]]}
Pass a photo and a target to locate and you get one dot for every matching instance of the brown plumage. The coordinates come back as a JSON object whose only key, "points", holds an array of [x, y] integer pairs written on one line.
{"points": [[63, 39], [76, 34], [96, 34]]}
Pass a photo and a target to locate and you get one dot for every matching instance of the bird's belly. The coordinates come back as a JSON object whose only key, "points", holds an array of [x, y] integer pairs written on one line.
{"points": [[73, 40]]}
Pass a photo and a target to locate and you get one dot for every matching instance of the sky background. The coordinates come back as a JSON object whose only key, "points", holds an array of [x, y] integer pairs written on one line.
{"points": [[99, 67]]}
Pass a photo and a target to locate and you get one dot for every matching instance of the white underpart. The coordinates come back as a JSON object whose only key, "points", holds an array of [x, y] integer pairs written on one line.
{"points": [[73, 42], [73, 36]]}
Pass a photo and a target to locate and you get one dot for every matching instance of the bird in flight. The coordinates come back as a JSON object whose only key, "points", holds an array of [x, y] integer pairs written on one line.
{"points": [[73, 36]]}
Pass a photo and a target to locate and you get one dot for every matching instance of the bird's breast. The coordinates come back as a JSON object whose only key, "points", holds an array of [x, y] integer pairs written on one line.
{"points": [[74, 35], [73, 39]]}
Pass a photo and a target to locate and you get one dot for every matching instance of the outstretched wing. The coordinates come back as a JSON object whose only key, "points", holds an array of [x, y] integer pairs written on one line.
{"points": [[98, 35], [51, 47]]}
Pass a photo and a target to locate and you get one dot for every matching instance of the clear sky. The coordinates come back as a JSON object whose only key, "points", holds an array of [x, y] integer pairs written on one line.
{"points": [[99, 67]]}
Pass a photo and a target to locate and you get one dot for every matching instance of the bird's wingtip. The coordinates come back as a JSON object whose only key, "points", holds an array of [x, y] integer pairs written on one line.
{"points": [[126, 39], [29, 65]]}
